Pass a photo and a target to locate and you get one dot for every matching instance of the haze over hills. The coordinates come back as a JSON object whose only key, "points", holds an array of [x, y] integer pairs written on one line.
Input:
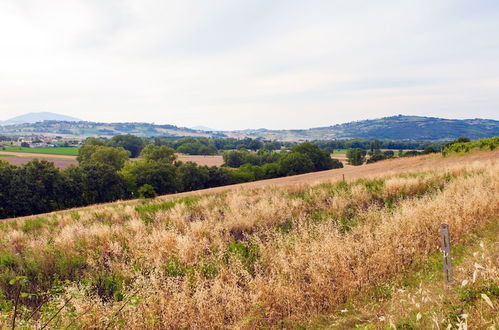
{"points": [[34, 117], [392, 128]]}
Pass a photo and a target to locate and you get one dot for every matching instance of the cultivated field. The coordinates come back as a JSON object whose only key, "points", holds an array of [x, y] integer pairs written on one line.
{"points": [[208, 160], [21, 158], [62, 161], [275, 253], [45, 151]]}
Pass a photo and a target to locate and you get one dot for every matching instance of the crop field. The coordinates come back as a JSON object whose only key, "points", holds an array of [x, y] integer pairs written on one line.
{"points": [[305, 251], [47, 151], [208, 160]]}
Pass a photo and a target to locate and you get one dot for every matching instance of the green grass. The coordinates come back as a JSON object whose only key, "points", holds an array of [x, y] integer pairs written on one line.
{"points": [[66, 151], [6, 155]]}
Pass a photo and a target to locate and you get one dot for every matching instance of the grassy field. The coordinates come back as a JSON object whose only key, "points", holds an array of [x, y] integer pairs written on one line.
{"points": [[6, 155], [47, 151], [294, 256]]}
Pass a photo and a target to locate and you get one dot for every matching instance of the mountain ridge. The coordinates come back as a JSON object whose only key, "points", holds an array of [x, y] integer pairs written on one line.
{"points": [[34, 117], [399, 127]]}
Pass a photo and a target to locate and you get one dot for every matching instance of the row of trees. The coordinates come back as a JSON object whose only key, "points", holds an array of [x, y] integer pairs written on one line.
{"points": [[105, 173], [378, 144], [358, 156]]}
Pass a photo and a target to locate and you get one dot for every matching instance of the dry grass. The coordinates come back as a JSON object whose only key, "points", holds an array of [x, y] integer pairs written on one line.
{"points": [[421, 300], [246, 258]]}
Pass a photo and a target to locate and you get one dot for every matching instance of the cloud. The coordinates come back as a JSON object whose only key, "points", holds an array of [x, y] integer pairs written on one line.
{"points": [[239, 64]]}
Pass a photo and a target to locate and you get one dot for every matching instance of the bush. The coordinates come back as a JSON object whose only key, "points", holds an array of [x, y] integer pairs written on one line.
{"points": [[147, 191], [356, 156]]}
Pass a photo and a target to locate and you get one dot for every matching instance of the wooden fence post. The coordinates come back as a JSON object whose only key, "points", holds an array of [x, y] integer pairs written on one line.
{"points": [[444, 230]]}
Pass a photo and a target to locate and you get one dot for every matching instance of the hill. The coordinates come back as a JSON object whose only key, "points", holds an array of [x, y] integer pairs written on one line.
{"points": [[85, 129], [390, 128], [34, 117], [267, 257]]}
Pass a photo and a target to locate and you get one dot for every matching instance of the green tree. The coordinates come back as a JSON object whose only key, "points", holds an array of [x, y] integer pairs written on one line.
{"points": [[162, 154], [161, 176], [320, 158], [190, 176], [356, 156], [296, 163], [114, 157], [129, 142], [100, 183], [147, 191]]}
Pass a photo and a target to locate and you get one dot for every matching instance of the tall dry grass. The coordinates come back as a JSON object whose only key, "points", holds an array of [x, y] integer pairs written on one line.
{"points": [[244, 259]]}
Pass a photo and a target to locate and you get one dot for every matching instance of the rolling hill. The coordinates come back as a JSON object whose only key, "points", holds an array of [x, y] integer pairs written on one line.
{"points": [[34, 117], [388, 128], [320, 253]]}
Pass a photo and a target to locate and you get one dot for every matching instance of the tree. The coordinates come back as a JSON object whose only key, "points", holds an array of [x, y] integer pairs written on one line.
{"points": [[190, 176], [114, 157], [6, 174], [129, 142], [235, 158], [161, 176], [100, 183], [296, 163], [161, 154], [320, 158], [356, 156], [35, 188], [147, 191]]}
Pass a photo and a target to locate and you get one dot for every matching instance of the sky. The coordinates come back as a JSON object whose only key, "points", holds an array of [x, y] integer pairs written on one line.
{"points": [[236, 64]]}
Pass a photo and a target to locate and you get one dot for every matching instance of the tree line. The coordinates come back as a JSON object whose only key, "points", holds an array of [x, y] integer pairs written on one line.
{"points": [[106, 173]]}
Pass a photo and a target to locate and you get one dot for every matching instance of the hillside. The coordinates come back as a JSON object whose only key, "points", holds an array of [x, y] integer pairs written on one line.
{"points": [[85, 129], [35, 117], [390, 128], [275, 255]]}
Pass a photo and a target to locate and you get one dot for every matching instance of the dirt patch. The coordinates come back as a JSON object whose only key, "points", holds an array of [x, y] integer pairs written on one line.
{"points": [[39, 156], [58, 162], [211, 160]]}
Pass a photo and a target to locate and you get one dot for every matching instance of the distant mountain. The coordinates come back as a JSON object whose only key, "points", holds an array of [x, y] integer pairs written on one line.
{"points": [[35, 117], [85, 129], [390, 128]]}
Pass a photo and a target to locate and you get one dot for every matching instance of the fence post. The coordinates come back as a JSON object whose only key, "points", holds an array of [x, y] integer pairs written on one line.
{"points": [[444, 230], [343, 177]]}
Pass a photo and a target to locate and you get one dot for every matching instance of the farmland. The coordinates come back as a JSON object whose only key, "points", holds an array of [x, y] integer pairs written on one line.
{"points": [[44, 151], [283, 252]]}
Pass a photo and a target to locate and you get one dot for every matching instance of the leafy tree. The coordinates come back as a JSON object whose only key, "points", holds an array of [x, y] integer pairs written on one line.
{"points": [[320, 158], [6, 174], [218, 176], [190, 176], [100, 183], [147, 191], [296, 163], [356, 156], [161, 176], [162, 154], [114, 157], [129, 142], [234, 158]]}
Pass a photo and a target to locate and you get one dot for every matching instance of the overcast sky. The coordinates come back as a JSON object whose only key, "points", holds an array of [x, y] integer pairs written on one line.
{"points": [[249, 64]]}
